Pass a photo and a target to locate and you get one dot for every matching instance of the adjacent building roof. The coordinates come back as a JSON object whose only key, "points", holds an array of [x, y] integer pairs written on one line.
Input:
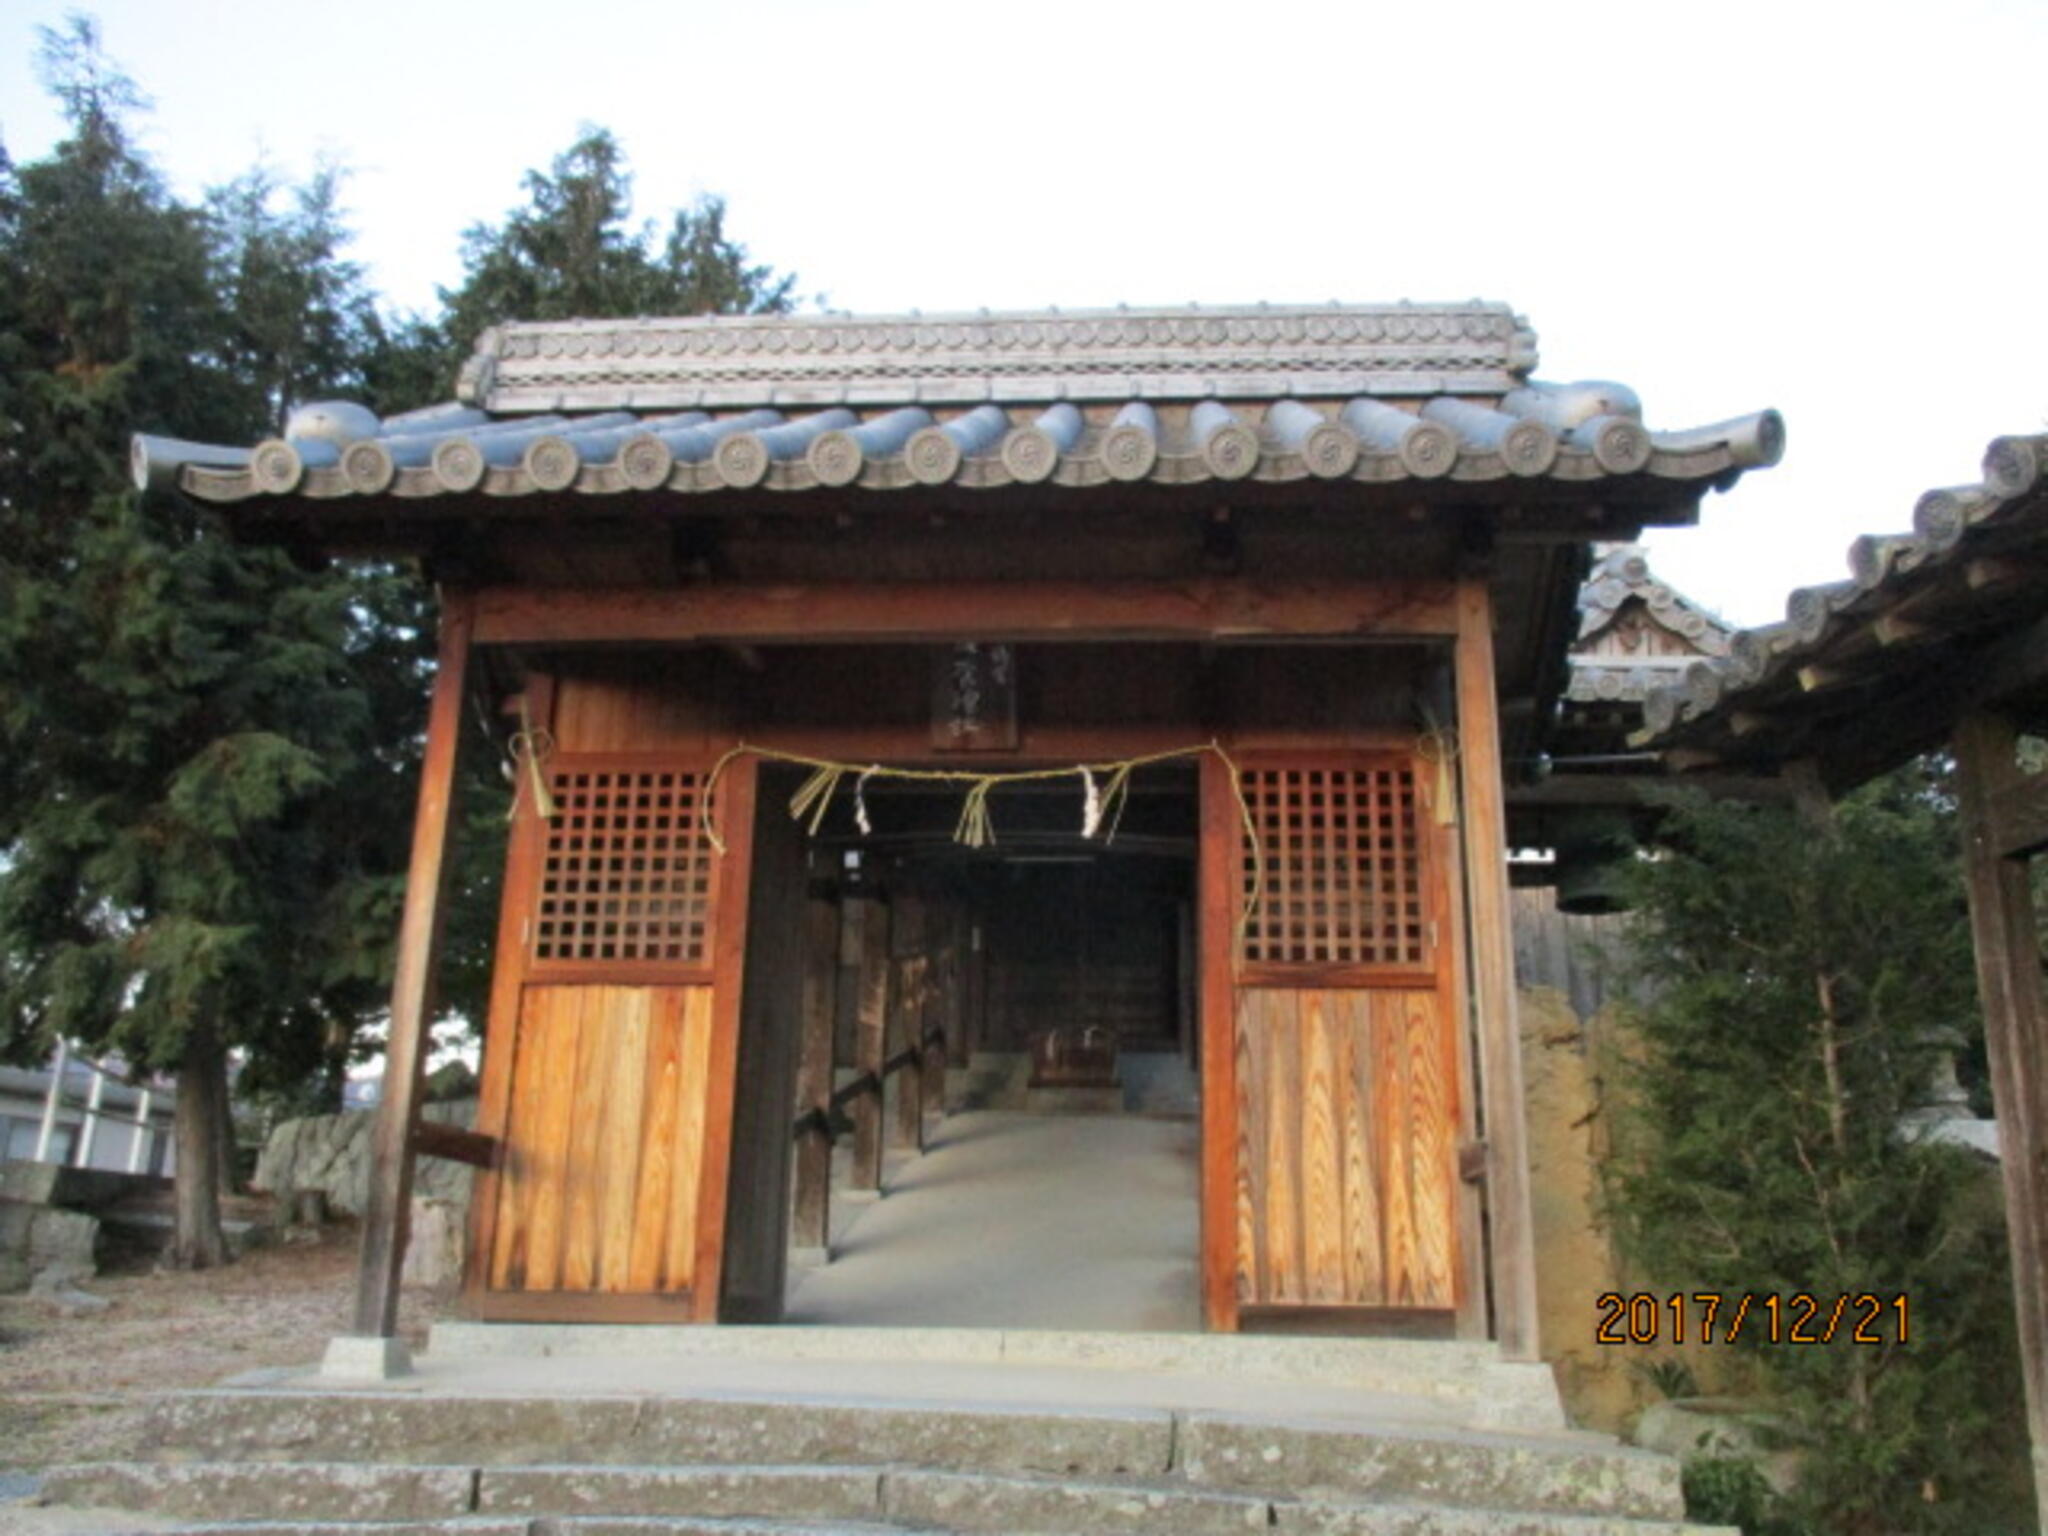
{"points": [[1636, 634], [1371, 394], [1866, 672]]}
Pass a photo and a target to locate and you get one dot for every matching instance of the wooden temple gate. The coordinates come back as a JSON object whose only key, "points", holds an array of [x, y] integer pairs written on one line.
{"points": [[1299, 534]]}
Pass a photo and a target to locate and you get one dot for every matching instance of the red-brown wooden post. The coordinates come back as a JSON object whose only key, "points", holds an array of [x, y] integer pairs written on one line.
{"points": [[413, 987], [1217, 871], [1493, 976], [2009, 982]]}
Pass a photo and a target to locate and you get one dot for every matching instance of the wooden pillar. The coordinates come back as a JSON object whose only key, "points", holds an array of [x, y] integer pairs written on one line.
{"points": [[1215, 873], [933, 1018], [906, 1018], [1470, 1190], [389, 1200], [2002, 923], [812, 1223], [1491, 943], [869, 1035], [906, 1127]]}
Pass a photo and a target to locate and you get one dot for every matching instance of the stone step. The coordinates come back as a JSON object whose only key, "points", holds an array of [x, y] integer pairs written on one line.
{"points": [[522, 1525], [412, 1447], [1469, 1379], [303, 1499], [401, 1428], [1453, 1467]]}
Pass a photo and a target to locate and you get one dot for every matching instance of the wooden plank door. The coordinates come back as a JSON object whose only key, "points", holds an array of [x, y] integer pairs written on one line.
{"points": [[1330, 1047], [609, 1060]]}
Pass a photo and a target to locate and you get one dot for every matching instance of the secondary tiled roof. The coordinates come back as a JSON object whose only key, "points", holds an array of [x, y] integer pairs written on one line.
{"points": [[1636, 634], [1367, 394], [1916, 611]]}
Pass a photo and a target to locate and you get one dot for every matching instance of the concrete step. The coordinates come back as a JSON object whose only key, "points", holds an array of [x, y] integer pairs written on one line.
{"points": [[305, 1498]]}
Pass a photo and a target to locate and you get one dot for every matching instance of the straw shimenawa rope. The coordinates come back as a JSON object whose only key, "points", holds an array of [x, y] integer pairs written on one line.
{"points": [[1102, 811]]}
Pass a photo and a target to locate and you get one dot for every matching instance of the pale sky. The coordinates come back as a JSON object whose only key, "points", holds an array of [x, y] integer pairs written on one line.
{"points": [[1834, 209]]}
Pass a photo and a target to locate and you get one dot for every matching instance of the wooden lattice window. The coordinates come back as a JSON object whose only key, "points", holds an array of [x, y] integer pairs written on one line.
{"points": [[626, 874], [1340, 878]]}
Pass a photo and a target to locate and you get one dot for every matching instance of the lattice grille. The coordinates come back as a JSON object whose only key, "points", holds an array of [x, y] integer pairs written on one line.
{"points": [[627, 874], [1343, 877]]}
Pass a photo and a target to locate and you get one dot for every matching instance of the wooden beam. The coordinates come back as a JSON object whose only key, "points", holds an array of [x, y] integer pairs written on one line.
{"points": [[1493, 979], [1198, 609], [1893, 630], [1216, 874], [2019, 812], [1989, 572], [1818, 679], [812, 1221], [869, 1039], [451, 1143], [2009, 982], [1746, 722], [1562, 789], [388, 1205], [1919, 716]]}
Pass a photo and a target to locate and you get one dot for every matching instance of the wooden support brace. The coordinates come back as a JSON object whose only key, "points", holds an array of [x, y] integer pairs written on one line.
{"points": [[2009, 981], [451, 1143], [389, 1199]]}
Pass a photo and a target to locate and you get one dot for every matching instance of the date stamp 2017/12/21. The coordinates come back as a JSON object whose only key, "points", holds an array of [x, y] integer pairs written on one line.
{"points": [[1717, 1317]]}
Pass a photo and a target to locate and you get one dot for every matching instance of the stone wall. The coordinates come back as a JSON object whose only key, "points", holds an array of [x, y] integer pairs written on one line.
{"points": [[1575, 1262], [331, 1153], [42, 1240]]}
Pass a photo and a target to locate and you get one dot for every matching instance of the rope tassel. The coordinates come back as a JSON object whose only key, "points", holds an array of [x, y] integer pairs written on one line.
{"points": [[975, 829], [815, 796], [527, 748]]}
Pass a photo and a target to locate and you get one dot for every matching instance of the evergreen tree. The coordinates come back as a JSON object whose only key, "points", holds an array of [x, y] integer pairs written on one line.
{"points": [[1798, 972], [573, 252], [201, 791]]}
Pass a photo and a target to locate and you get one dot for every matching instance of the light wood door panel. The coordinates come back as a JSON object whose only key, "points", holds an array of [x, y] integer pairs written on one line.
{"points": [[598, 1182], [1342, 1081]]}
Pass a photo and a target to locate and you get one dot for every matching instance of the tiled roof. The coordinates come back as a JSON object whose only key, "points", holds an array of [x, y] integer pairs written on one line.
{"points": [[1621, 579], [1912, 609], [1344, 393]]}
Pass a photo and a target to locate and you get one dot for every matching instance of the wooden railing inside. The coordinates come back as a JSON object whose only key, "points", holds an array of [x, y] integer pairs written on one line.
{"points": [[906, 984]]}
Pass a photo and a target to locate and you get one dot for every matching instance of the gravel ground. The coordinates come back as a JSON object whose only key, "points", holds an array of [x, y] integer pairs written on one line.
{"points": [[70, 1387]]}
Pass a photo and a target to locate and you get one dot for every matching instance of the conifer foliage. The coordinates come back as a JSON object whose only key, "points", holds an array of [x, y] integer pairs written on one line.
{"points": [[200, 820], [1800, 972], [208, 750]]}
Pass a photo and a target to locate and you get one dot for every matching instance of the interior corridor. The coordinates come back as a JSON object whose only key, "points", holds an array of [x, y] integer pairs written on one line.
{"points": [[1015, 1220]]}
